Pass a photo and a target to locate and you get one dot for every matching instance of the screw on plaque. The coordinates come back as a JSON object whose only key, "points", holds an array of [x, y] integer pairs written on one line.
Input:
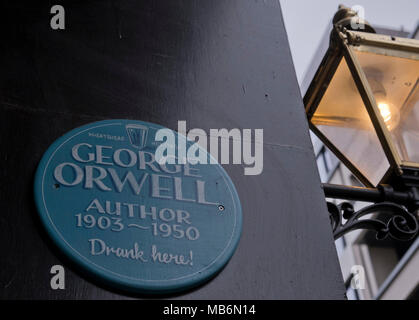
{"points": [[221, 207], [56, 186]]}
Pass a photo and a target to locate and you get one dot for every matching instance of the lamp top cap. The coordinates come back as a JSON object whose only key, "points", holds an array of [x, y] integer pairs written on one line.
{"points": [[347, 18]]}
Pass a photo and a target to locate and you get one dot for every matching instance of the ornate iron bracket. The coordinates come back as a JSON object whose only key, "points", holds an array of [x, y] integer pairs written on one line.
{"points": [[394, 220], [399, 223]]}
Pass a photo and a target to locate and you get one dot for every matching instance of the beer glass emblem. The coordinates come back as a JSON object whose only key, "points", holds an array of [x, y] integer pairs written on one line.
{"points": [[137, 135]]}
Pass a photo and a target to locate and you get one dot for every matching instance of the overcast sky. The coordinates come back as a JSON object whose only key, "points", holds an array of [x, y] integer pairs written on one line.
{"points": [[307, 21]]}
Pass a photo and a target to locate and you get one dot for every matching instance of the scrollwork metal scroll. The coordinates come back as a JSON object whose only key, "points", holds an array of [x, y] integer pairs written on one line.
{"points": [[395, 221]]}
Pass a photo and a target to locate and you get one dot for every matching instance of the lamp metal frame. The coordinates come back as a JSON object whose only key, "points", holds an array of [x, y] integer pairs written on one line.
{"points": [[343, 45]]}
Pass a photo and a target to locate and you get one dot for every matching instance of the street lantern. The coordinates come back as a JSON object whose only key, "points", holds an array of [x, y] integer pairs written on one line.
{"points": [[363, 103]]}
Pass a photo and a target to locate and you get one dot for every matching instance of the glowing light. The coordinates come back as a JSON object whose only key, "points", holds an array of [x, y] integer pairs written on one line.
{"points": [[389, 114], [385, 111]]}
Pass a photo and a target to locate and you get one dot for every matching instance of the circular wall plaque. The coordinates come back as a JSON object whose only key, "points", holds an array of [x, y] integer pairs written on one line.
{"points": [[130, 221]]}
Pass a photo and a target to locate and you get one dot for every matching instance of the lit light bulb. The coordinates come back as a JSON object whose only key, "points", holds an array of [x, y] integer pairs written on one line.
{"points": [[385, 111], [390, 114]]}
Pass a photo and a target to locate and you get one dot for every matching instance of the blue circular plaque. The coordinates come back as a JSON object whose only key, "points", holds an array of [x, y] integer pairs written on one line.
{"points": [[133, 221]]}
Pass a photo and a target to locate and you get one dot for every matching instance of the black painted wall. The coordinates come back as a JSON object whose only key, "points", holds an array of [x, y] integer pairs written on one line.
{"points": [[215, 64]]}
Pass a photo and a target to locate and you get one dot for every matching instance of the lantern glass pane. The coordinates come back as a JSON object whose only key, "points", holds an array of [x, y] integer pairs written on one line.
{"points": [[343, 119], [406, 135], [394, 81]]}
